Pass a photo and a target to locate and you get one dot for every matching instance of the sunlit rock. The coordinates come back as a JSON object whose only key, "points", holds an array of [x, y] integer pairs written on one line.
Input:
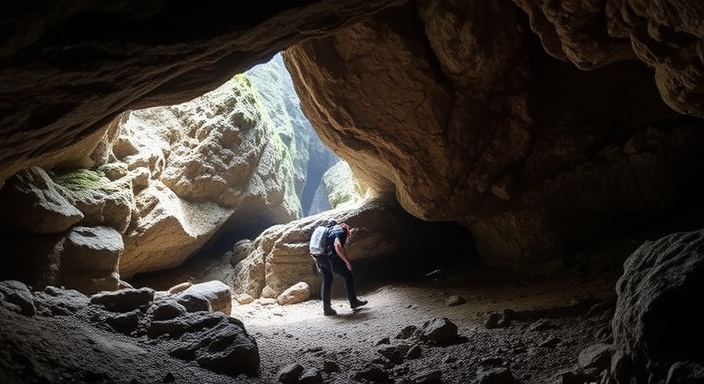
{"points": [[31, 203], [294, 294], [342, 188], [382, 232], [168, 230], [102, 201]]}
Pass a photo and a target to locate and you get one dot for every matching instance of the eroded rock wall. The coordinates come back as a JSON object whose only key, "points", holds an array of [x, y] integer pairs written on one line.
{"points": [[455, 108]]}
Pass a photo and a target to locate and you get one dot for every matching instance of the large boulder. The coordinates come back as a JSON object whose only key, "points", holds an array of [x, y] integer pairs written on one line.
{"points": [[83, 258], [657, 324], [30, 202], [382, 233], [216, 164]]}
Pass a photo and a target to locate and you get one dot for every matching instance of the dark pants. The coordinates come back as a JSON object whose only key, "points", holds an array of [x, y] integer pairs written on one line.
{"points": [[328, 265]]}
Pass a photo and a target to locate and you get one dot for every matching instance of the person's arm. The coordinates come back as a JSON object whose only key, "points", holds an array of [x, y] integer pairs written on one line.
{"points": [[341, 252]]}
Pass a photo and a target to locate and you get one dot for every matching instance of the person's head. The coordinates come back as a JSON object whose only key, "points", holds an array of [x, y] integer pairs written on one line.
{"points": [[346, 228]]}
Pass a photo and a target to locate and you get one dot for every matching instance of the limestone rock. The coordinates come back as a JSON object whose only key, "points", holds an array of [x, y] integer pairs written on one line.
{"points": [[217, 165], [280, 258], [30, 202], [102, 201], [90, 258], [217, 293], [469, 127], [167, 231], [341, 185], [309, 156], [297, 293]]}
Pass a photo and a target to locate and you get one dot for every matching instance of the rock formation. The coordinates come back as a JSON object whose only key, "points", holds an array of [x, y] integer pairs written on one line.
{"points": [[396, 243], [453, 108], [542, 127]]}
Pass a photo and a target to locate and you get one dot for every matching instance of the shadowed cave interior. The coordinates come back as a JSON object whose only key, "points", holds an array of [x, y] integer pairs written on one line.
{"points": [[523, 178]]}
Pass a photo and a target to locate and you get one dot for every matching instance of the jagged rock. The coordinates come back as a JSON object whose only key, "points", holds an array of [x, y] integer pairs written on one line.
{"points": [[82, 258], [395, 353], [103, 202], [498, 320], [383, 230], [658, 320], [499, 375], [17, 294], [124, 300], [310, 158], [31, 203], [224, 157], [597, 356], [165, 309], [439, 331], [169, 230], [373, 374], [55, 301], [516, 181], [211, 339], [124, 323], [290, 373], [407, 332], [216, 294], [297, 293]]}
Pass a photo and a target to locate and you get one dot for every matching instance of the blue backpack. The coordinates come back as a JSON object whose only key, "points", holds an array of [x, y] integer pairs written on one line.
{"points": [[318, 244]]}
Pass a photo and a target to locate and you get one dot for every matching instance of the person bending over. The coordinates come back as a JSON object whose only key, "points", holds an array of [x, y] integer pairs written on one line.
{"points": [[337, 262]]}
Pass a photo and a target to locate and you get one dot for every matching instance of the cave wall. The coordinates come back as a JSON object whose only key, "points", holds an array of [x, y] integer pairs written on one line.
{"points": [[458, 110]]}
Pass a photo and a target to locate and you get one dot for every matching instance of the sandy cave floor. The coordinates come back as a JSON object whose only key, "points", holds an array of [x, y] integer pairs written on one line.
{"points": [[300, 333]]}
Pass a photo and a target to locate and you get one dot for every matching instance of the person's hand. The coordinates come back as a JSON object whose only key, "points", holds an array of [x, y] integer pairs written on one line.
{"points": [[349, 265]]}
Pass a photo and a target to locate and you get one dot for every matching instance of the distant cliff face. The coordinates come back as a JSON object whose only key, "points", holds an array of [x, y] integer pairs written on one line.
{"points": [[311, 159]]}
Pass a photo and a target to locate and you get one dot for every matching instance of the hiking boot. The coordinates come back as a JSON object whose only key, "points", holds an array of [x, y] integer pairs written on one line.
{"points": [[329, 312], [358, 303]]}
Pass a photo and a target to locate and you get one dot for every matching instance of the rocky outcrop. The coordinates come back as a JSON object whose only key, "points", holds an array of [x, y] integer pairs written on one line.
{"points": [[383, 232], [119, 327], [532, 155], [64, 232], [169, 178], [657, 323], [68, 71], [208, 159], [666, 36]]}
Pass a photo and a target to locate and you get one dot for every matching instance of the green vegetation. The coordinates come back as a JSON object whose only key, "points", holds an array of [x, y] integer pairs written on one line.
{"points": [[338, 198], [84, 179]]}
